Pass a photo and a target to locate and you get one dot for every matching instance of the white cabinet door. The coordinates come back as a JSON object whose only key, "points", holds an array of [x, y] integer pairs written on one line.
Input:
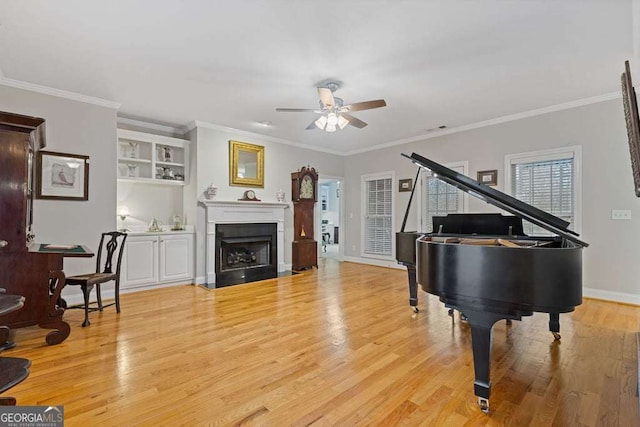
{"points": [[176, 257], [140, 263]]}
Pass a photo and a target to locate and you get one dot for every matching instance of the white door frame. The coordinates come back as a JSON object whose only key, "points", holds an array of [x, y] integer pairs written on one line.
{"points": [[317, 215]]}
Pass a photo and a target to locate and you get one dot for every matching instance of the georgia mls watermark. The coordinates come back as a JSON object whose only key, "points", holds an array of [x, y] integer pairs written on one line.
{"points": [[31, 416]]}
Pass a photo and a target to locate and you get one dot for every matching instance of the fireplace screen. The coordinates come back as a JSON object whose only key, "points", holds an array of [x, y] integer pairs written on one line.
{"points": [[244, 253]]}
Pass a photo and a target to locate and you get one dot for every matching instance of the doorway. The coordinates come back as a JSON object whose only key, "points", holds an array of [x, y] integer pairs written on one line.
{"points": [[329, 215]]}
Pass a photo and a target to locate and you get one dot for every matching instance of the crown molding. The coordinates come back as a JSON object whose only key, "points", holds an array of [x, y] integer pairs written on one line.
{"points": [[496, 121], [150, 126], [200, 124], [18, 84]]}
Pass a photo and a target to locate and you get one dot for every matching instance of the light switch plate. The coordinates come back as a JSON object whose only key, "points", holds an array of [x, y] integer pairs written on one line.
{"points": [[617, 214]]}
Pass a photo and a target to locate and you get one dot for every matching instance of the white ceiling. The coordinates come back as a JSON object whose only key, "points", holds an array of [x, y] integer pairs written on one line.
{"points": [[232, 62]]}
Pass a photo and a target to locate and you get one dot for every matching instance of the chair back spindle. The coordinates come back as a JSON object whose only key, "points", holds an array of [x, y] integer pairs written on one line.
{"points": [[111, 246]]}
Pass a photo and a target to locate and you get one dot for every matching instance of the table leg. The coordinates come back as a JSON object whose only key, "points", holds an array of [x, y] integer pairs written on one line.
{"points": [[53, 320]]}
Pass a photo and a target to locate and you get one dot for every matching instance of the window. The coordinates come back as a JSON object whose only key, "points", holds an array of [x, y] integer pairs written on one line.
{"points": [[377, 191], [439, 198], [548, 180]]}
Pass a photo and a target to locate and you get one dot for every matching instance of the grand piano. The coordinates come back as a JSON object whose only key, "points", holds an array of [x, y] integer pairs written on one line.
{"points": [[492, 271]]}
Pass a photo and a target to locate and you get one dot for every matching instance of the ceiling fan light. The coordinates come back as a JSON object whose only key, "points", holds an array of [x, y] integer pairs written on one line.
{"points": [[330, 127], [332, 119], [342, 122], [321, 122]]}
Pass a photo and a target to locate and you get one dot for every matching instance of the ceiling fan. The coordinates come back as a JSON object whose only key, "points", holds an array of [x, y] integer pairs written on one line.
{"points": [[335, 115]]}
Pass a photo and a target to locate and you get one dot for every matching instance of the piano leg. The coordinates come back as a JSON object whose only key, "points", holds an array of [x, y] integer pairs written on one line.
{"points": [[554, 325], [413, 288], [481, 324]]}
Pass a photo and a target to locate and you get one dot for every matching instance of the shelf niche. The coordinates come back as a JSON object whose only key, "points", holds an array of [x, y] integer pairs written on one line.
{"points": [[152, 159]]}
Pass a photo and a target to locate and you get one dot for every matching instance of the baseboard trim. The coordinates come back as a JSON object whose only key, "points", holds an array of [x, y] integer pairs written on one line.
{"points": [[373, 261], [621, 297], [74, 296]]}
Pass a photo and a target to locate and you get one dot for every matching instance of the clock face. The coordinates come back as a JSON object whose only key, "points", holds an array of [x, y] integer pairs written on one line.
{"points": [[251, 194], [306, 188]]}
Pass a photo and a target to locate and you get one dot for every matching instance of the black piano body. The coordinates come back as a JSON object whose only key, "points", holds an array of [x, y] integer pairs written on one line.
{"points": [[490, 278], [470, 224]]}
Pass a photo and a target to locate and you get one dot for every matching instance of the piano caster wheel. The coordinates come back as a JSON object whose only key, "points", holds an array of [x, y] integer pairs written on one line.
{"points": [[556, 336], [463, 317], [451, 312], [484, 404], [415, 309]]}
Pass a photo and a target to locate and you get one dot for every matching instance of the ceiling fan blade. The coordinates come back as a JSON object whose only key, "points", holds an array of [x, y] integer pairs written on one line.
{"points": [[354, 121], [312, 126], [366, 105], [295, 110], [326, 97]]}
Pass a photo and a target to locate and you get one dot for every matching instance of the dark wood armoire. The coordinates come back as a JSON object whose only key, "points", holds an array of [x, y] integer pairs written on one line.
{"points": [[24, 269]]}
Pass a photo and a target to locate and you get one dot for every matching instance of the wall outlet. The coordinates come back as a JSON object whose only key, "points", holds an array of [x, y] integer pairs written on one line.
{"points": [[617, 214]]}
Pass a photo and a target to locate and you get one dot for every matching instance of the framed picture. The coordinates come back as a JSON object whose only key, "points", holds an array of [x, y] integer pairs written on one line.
{"points": [[405, 185], [62, 176], [246, 164], [488, 177]]}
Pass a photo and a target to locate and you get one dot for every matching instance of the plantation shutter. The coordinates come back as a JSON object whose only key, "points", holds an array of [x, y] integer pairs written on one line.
{"points": [[378, 228]]}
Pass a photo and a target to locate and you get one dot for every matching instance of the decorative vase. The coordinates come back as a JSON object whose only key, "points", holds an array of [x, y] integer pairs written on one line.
{"points": [[133, 150], [280, 196], [133, 171], [210, 192]]}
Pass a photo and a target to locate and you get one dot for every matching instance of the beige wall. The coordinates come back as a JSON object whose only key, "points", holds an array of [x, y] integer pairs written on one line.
{"points": [[610, 263], [611, 267], [77, 128], [210, 164]]}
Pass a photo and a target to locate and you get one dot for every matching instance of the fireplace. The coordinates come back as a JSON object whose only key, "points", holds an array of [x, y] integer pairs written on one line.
{"points": [[245, 253], [252, 217]]}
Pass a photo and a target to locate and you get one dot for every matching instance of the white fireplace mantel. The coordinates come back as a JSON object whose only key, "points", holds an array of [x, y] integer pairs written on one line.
{"points": [[236, 212]]}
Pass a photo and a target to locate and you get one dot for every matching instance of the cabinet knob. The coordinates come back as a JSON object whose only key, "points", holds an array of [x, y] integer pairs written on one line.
{"points": [[3, 243]]}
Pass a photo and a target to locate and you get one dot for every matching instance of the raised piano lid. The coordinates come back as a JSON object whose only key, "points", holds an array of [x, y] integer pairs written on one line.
{"points": [[498, 198]]}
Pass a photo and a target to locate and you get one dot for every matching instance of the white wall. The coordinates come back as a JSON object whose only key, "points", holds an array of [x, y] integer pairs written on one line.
{"points": [[611, 267], [210, 164], [148, 201], [77, 128]]}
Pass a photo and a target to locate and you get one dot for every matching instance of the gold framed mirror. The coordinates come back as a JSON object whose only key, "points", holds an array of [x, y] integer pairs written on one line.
{"points": [[246, 164]]}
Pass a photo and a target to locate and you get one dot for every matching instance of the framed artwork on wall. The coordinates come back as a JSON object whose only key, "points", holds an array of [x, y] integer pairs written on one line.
{"points": [[405, 185], [62, 176], [488, 177]]}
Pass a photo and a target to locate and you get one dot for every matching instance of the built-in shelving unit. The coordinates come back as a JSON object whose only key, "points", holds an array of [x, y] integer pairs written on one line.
{"points": [[154, 159]]}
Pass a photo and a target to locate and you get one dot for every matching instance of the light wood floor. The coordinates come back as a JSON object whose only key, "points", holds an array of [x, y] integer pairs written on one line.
{"points": [[336, 346]]}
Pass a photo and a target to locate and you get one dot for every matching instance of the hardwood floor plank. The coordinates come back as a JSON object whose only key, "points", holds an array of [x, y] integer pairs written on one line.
{"points": [[333, 346]]}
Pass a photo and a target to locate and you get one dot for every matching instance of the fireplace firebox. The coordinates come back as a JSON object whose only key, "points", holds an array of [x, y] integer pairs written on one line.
{"points": [[245, 252]]}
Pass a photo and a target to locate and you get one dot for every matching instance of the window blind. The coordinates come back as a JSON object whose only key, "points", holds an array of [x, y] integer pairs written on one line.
{"points": [[547, 185], [378, 227], [440, 199]]}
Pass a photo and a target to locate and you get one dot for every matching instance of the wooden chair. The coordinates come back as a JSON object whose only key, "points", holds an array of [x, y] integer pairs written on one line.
{"points": [[112, 242]]}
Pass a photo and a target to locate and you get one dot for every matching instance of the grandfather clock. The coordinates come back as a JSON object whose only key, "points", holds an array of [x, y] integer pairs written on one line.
{"points": [[304, 188]]}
